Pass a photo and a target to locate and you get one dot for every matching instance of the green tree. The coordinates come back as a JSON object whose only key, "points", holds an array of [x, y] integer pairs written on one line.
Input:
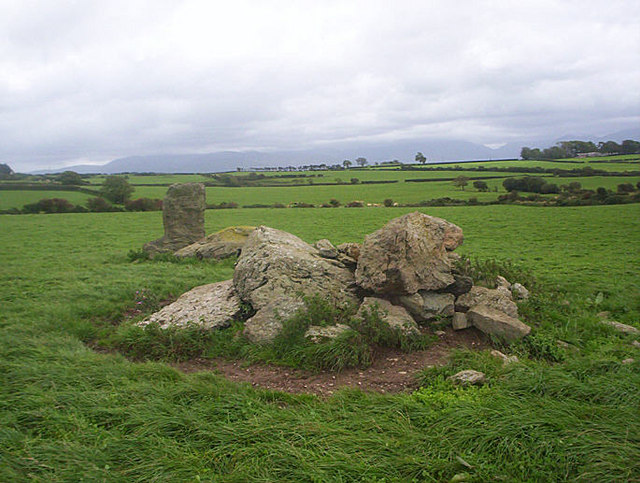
{"points": [[346, 163], [5, 169], [361, 161], [420, 158], [460, 182], [116, 189], [70, 177], [481, 185]]}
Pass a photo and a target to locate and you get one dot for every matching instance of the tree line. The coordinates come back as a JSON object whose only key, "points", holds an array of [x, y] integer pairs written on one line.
{"points": [[572, 149]]}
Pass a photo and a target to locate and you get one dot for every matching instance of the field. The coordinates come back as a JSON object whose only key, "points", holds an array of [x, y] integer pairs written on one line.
{"points": [[69, 413]]}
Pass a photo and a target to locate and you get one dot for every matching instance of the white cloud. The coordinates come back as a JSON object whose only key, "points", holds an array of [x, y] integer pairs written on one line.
{"points": [[94, 80]]}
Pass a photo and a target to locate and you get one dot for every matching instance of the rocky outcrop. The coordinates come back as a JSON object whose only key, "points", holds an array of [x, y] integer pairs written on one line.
{"points": [[498, 299], [222, 244], [277, 266], [407, 255], [394, 316], [183, 218], [211, 306], [426, 306], [497, 323]]}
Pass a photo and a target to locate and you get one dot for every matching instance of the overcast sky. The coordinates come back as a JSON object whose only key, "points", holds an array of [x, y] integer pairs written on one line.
{"points": [[90, 81]]}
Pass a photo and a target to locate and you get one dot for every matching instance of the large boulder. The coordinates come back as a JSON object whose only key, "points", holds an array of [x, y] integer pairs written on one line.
{"points": [[425, 306], [275, 268], [394, 316], [408, 254], [222, 244], [183, 218], [494, 322], [499, 299], [211, 306]]}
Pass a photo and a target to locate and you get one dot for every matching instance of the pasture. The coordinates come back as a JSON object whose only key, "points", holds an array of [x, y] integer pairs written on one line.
{"points": [[71, 413]]}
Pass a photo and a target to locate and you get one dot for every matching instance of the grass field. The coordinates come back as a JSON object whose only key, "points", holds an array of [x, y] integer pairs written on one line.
{"points": [[68, 413]]}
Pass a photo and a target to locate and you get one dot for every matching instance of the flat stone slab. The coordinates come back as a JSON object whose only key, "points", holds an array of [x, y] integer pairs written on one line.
{"points": [[494, 322], [620, 327], [499, 299], [211, 306]]}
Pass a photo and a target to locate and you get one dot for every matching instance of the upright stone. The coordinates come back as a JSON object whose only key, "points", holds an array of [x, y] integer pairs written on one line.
{"points": [[408, 254], [183, 217]]}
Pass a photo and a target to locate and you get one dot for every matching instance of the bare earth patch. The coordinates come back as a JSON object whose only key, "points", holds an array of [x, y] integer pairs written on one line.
{"points": [[392, 371]]}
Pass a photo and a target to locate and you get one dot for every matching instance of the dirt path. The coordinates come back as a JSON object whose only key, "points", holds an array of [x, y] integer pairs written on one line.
{"points": [[392, 371]]}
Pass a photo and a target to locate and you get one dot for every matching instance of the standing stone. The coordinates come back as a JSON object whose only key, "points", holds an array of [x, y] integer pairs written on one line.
{"points": [[183, 218], [408, 254]]}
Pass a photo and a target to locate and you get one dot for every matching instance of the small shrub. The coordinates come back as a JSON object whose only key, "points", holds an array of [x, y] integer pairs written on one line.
{"points": [[541, 346], [355, 204], [144, 204], [388, 202], [99, 205]]}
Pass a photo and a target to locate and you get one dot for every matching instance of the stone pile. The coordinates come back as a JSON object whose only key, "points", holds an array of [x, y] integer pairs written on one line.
{"points": [[405, 270]]}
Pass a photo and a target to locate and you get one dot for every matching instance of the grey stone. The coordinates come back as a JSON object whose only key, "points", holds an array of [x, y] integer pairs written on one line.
{"points": [[352, 250], [183, 218], [503, 357], [460, 321], [222, 244], [519, 291], [494, 322], [503, 282], [317, 334], [326, 249], [624, 328], [636, 344], [460, 286], [407, 255], [630, 360], [266, 324], [211, 306], [499, 299], [395, 316], [425, 306], [468, 378]]}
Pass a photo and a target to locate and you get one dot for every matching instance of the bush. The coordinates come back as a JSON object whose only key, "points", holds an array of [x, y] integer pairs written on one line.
{"points": [[355, 204], [224, 205], [334, 203], [50, 205], [99, 205], [144, 204], [481, 186], [388, 202], [355, 181]]}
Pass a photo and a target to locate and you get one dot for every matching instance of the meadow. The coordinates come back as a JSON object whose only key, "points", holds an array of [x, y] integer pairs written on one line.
{"points": [[70, 413]]}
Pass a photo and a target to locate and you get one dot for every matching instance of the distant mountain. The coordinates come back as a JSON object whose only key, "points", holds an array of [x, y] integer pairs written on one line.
{"points": [[404, 151]]}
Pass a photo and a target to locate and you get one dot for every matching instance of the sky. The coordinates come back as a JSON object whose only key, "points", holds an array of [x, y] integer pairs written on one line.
{"points": [[91, 81]]}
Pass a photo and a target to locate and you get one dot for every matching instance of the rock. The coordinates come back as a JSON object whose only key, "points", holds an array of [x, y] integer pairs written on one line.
{"points": [[352, 250], [407, 255], [425, 306], [460, 286], [222, 244], [460, 321], [503, 282], [519, 291], [275, 268], [562, 344], [624, 328], [326, 249], [211, 306], [395, 316], [494, 322], [440, 333], [604, 314], [468, 378], [503, 357], [266, 324], [636, 343], [630, 360], [499, 299], [317, 334], [183, 218]]}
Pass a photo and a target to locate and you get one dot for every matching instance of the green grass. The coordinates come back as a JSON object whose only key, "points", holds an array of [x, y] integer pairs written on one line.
{"points": [[69, 413]]}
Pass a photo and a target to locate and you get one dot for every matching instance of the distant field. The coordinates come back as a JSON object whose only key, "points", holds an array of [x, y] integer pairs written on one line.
{"points": [[17, 199], [157, 179]]}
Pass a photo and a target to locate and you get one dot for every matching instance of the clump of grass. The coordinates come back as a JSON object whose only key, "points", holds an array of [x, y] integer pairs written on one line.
{"points": [[485, 271]]}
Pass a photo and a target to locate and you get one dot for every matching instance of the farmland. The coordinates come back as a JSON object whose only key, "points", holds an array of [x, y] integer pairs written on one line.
{"points": [[69, 412]]}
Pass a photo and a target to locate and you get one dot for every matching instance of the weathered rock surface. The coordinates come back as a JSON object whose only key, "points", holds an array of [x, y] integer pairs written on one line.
{"points": [[352, 250], [460, 286], [317, 334], [326, 249], [425, 306], [620, 327], [407, 255], [519, 291], [222, 244], [499, 299], [395, 316], [494, 322], [503, 357], [266, 324], [211, 306], [276, 266], [503, 282], [183, 218], [460, 321], [468, 378]]}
